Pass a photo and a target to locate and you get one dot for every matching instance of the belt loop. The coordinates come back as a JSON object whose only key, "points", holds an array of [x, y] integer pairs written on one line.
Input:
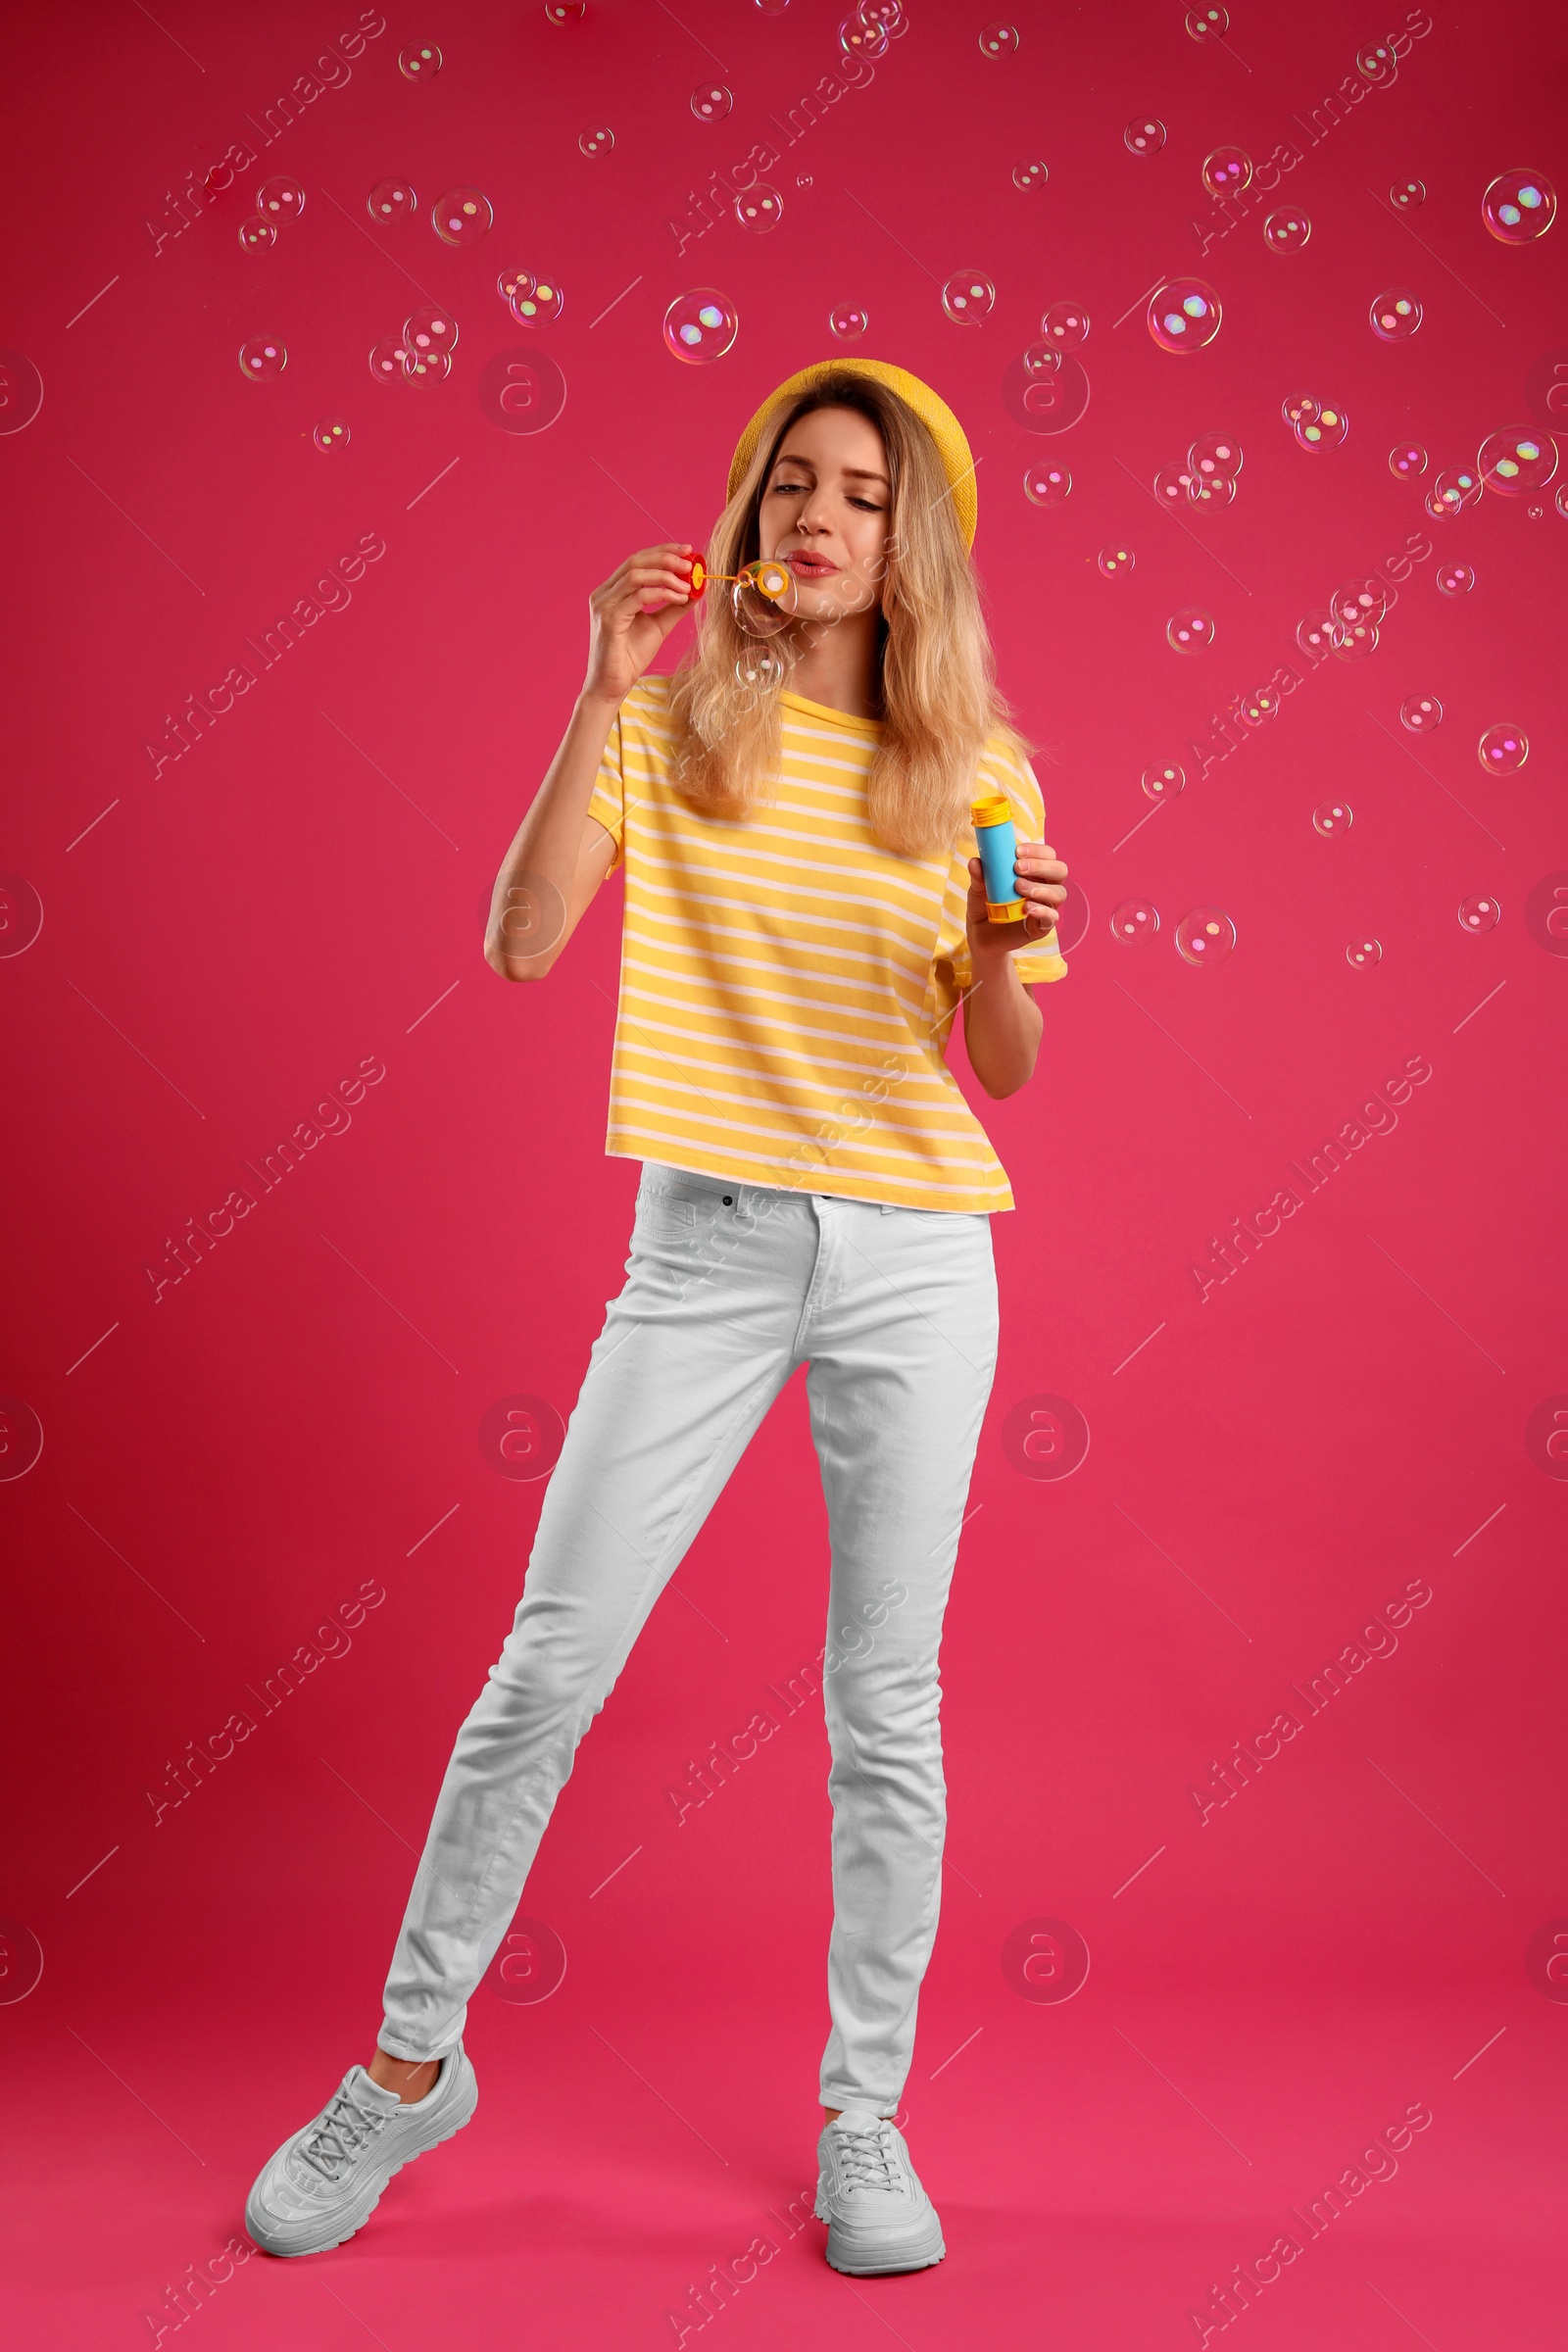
{"points": [[887, 1208]]}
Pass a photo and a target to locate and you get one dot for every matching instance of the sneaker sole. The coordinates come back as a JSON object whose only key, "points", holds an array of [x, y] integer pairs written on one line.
{"points": [[920, 2252], [262, 2233]]}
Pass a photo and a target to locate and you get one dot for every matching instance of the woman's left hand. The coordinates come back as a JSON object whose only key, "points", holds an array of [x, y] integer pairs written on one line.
{"points": [[1043, 887]]}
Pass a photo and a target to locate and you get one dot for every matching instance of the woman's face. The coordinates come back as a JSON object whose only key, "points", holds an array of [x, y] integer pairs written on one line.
{"points": [[825, 512]]}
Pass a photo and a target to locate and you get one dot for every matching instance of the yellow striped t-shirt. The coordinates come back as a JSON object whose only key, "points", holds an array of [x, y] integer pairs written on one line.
{"points": [[788, 986]]}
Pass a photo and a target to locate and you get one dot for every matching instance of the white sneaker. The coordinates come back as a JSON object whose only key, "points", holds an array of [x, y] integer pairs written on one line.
{"points": [[878, 2215], [325, 2182]]}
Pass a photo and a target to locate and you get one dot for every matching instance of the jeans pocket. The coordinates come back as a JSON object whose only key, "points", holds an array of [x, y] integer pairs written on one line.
{"points": [[663, 1218]]}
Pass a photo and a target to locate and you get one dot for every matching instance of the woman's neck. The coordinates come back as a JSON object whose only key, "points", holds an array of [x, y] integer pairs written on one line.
{"points": [[836, 665]]}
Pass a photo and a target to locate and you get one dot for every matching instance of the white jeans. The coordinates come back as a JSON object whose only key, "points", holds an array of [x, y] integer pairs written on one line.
{"points": [[729, 1287]]}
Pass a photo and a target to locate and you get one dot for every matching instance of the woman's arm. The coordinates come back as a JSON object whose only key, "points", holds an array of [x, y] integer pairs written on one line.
{"points": [[558, 858], [1001, 1022], [560, 855]]}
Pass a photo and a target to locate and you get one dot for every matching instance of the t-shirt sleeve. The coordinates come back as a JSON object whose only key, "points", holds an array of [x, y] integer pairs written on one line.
{"points": [[607, 800], [999, 771]]}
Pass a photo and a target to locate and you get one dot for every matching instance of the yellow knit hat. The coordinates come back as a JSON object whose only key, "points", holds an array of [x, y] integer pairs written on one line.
{"points": [[933, 411]]}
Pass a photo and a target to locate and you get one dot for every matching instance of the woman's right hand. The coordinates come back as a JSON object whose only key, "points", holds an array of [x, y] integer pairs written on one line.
{"points": [[631, 616]]}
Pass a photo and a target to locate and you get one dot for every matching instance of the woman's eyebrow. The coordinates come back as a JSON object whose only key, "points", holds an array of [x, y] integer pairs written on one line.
{"points": [[858, 474]]}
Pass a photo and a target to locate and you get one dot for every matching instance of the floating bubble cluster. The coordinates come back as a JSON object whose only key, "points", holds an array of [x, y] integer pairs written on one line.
{"points": [[1316, 424]]}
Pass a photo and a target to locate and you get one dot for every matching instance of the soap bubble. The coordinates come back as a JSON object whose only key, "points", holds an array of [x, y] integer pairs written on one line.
{"points": [[1561, 500], [1318, 633], [596, 142], [1135, 918], [1377, 62], [1358, 641], [760, 669], [391, 200], [1326, 430], [1517, 462], [1042, 359], [1360, 600], [1456, 579], [256, 235], [1503, 750], [1030, 176], [711, 102], [860, 37], [849, 320], [1144, 136], [1421, 713], [1225, 171], [1333, 818], [1163, 783], [462, 216], [1190, 630], [538, 302], [887, 14], [765, 600], [999, 40], [565, 11], [516, 286], [1175, 487], [1455, 488], [701, 325], [1184, 314], [1260, 705], [262, 359], [420, 60], [1364, 953], [1407, 460], [1213, 489], [1479, 914], [388, 359], [1406, 194], [1287, 231], [1395, 314], [331, 433], [1115, 561], [1206, 936], [281, 200], [967, 297], [1065, 326], [1519, 207], [1298, 408], [760, 208], [1207, 23], [429, 330], [1215, 457], [1047, 485], [430, 367]]}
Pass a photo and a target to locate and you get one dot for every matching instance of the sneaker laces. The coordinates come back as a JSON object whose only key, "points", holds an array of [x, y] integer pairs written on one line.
{"points": [[865, 2157], [344, 2128]]}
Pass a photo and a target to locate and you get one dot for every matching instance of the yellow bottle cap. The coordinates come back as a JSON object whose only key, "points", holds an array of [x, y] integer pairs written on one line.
{"points": [[991, 809]]}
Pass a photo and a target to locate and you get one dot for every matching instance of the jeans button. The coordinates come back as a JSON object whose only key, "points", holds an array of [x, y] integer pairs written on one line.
{"points": [[729, 1200]]}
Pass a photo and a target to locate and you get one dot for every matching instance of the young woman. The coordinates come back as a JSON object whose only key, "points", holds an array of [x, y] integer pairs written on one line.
{"points": [[804, 915]]}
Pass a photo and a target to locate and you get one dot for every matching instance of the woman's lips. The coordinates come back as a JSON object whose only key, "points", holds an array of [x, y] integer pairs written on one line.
{"points": [[809, 567]]}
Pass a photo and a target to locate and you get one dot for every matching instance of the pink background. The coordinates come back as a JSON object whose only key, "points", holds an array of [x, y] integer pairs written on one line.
{"points": [[1269, 1464]]}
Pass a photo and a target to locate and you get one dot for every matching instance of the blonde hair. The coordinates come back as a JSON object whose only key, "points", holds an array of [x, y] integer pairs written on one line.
{"points": [[939, 702]]}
